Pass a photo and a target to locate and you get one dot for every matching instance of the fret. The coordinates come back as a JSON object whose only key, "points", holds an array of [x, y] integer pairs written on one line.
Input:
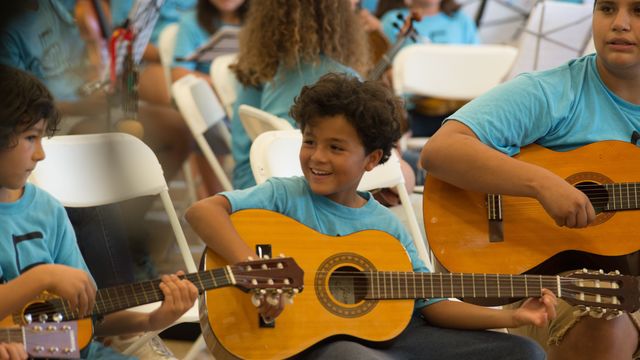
{"points": [[540, 277], [431, 280], [135, 295], [621, 199], [628, 196], [451, 284], [415, 295], [384, 284], [498, 281], [635, 194], [511, 284], [441, 287], [485, 285], [526, 287], [378, 282], [462, 283]]}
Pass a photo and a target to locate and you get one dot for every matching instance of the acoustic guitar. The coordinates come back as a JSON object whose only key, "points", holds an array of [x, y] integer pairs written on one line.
{"points": [[362, 285], [266, 276], [470, 231], [52, 341]]}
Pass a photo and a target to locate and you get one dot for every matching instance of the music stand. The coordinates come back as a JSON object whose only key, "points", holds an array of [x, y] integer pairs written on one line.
{"points": [[556, 32], [498, 21], [224, 41]]}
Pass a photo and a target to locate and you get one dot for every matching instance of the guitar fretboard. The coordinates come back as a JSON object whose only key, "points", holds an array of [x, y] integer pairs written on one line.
{"points": [[112, 299], [11, 336], [416, 285], [622, 196]]}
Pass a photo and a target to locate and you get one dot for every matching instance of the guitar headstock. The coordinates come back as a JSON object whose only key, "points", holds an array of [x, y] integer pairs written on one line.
{"points": [[601, 294], [52, 340], [407, 30], [277, 275]]}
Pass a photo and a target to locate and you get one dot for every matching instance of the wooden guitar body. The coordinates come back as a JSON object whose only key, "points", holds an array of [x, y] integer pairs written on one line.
{"points": [[315, 314], [457, 225]]}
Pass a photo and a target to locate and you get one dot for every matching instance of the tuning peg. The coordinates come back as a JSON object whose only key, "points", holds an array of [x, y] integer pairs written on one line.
{"points": [[288, 298], [596, 312], [612, 314], [254, 282], [57, 317], [281, 255], [601, 271], [581, 310], [273, 299], [255, 300], [280, 266], [286, 282], [270, 281], [28, 318], [43, 317], [265, 257], [265, 267]]}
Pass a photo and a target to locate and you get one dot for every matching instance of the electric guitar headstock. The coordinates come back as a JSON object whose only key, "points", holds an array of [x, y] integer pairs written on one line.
{"points": [[269, 277], [46, 340], [601, 294]]}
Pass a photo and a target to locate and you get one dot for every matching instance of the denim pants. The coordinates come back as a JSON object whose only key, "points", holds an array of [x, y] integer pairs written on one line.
{"points": [[423, 341]]}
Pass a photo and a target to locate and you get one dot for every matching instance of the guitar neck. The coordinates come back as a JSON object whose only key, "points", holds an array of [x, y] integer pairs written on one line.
{"points": [[619, 196], [112, 299], [414, 285], [11, 335], [385, 61]]}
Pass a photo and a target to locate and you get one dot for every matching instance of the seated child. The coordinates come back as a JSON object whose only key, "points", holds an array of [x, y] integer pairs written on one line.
{"points": [[38, 248], [349, 127]]}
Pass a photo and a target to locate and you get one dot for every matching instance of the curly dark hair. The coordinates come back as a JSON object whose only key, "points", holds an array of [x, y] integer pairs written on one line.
{"points": [[209, 16], [369, 106], [24, 101]]}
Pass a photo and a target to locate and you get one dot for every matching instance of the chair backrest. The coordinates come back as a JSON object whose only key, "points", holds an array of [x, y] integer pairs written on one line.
{"points": [[275, 154], [256, 121], [201, 110], [99, 169], [166, 46], [501, 22], [458, 72], [556, 32], [224, 81]]}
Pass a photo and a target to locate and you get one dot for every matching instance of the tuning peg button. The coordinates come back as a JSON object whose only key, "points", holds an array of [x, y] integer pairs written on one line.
{"points": [[255, 300]]}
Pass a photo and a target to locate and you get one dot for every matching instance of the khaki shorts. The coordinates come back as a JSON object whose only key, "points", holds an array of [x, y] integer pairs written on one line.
{"points": [[557, 328]]}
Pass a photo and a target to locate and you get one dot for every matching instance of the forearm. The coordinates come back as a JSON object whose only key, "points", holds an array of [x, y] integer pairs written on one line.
{"points": [[179, 72], [15, 294], [461, 315], [454, 154], [210, 220]]}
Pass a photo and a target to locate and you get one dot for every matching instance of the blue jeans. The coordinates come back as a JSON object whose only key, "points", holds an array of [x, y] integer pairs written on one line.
{"points": [[423, 341], [103, 242]]}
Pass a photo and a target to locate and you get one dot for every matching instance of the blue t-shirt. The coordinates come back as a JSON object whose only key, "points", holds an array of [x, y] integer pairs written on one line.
{"points": [[190, 37], [36, 230], [275, 97], [562, 109], [293, 197], [438, 29], [46, 43], [170, 13]]}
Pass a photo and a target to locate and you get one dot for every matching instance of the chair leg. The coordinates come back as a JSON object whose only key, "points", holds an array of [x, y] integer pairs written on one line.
{"points": [[189, 181]]}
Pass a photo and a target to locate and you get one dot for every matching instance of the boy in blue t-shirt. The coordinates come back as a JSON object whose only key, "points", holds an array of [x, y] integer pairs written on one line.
{"points": [[349, 127], [590, 99], [38, 249]]}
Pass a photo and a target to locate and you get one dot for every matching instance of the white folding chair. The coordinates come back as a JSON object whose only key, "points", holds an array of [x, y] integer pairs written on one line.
{"points": [[499, 21], [202, 111], [275, 153], [256, 121], [455, 72], [100, 169], [556, 32], [224, 81], [166, 46]]}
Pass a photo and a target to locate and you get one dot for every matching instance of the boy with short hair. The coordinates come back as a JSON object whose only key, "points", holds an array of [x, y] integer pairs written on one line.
{"points": [[348, 128], [38, 249]]}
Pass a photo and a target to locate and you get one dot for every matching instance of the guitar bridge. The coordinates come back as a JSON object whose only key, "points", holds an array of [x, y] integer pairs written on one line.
{"points": [[494, 217]]}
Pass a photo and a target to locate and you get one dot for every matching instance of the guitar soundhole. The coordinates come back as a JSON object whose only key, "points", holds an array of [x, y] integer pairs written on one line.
{"points": [[348, 285], [596, 193], [41, 311]]}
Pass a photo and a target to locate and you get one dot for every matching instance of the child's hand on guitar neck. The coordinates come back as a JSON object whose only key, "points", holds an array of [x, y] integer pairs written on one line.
{"points": [[536, 311], [567, 205], [179, 296], [12, 351], [73, 285]]}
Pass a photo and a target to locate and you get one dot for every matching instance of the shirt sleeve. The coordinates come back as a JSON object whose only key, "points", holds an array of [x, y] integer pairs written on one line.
{"points": [[511, 115]]}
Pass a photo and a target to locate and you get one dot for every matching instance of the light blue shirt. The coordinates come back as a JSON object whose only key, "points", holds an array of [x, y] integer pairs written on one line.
{"points": [[190, 37], [46, 43], [275, 97], [36, 230], [562, 109], [170, 13], [438, 29], [293, 197]]}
